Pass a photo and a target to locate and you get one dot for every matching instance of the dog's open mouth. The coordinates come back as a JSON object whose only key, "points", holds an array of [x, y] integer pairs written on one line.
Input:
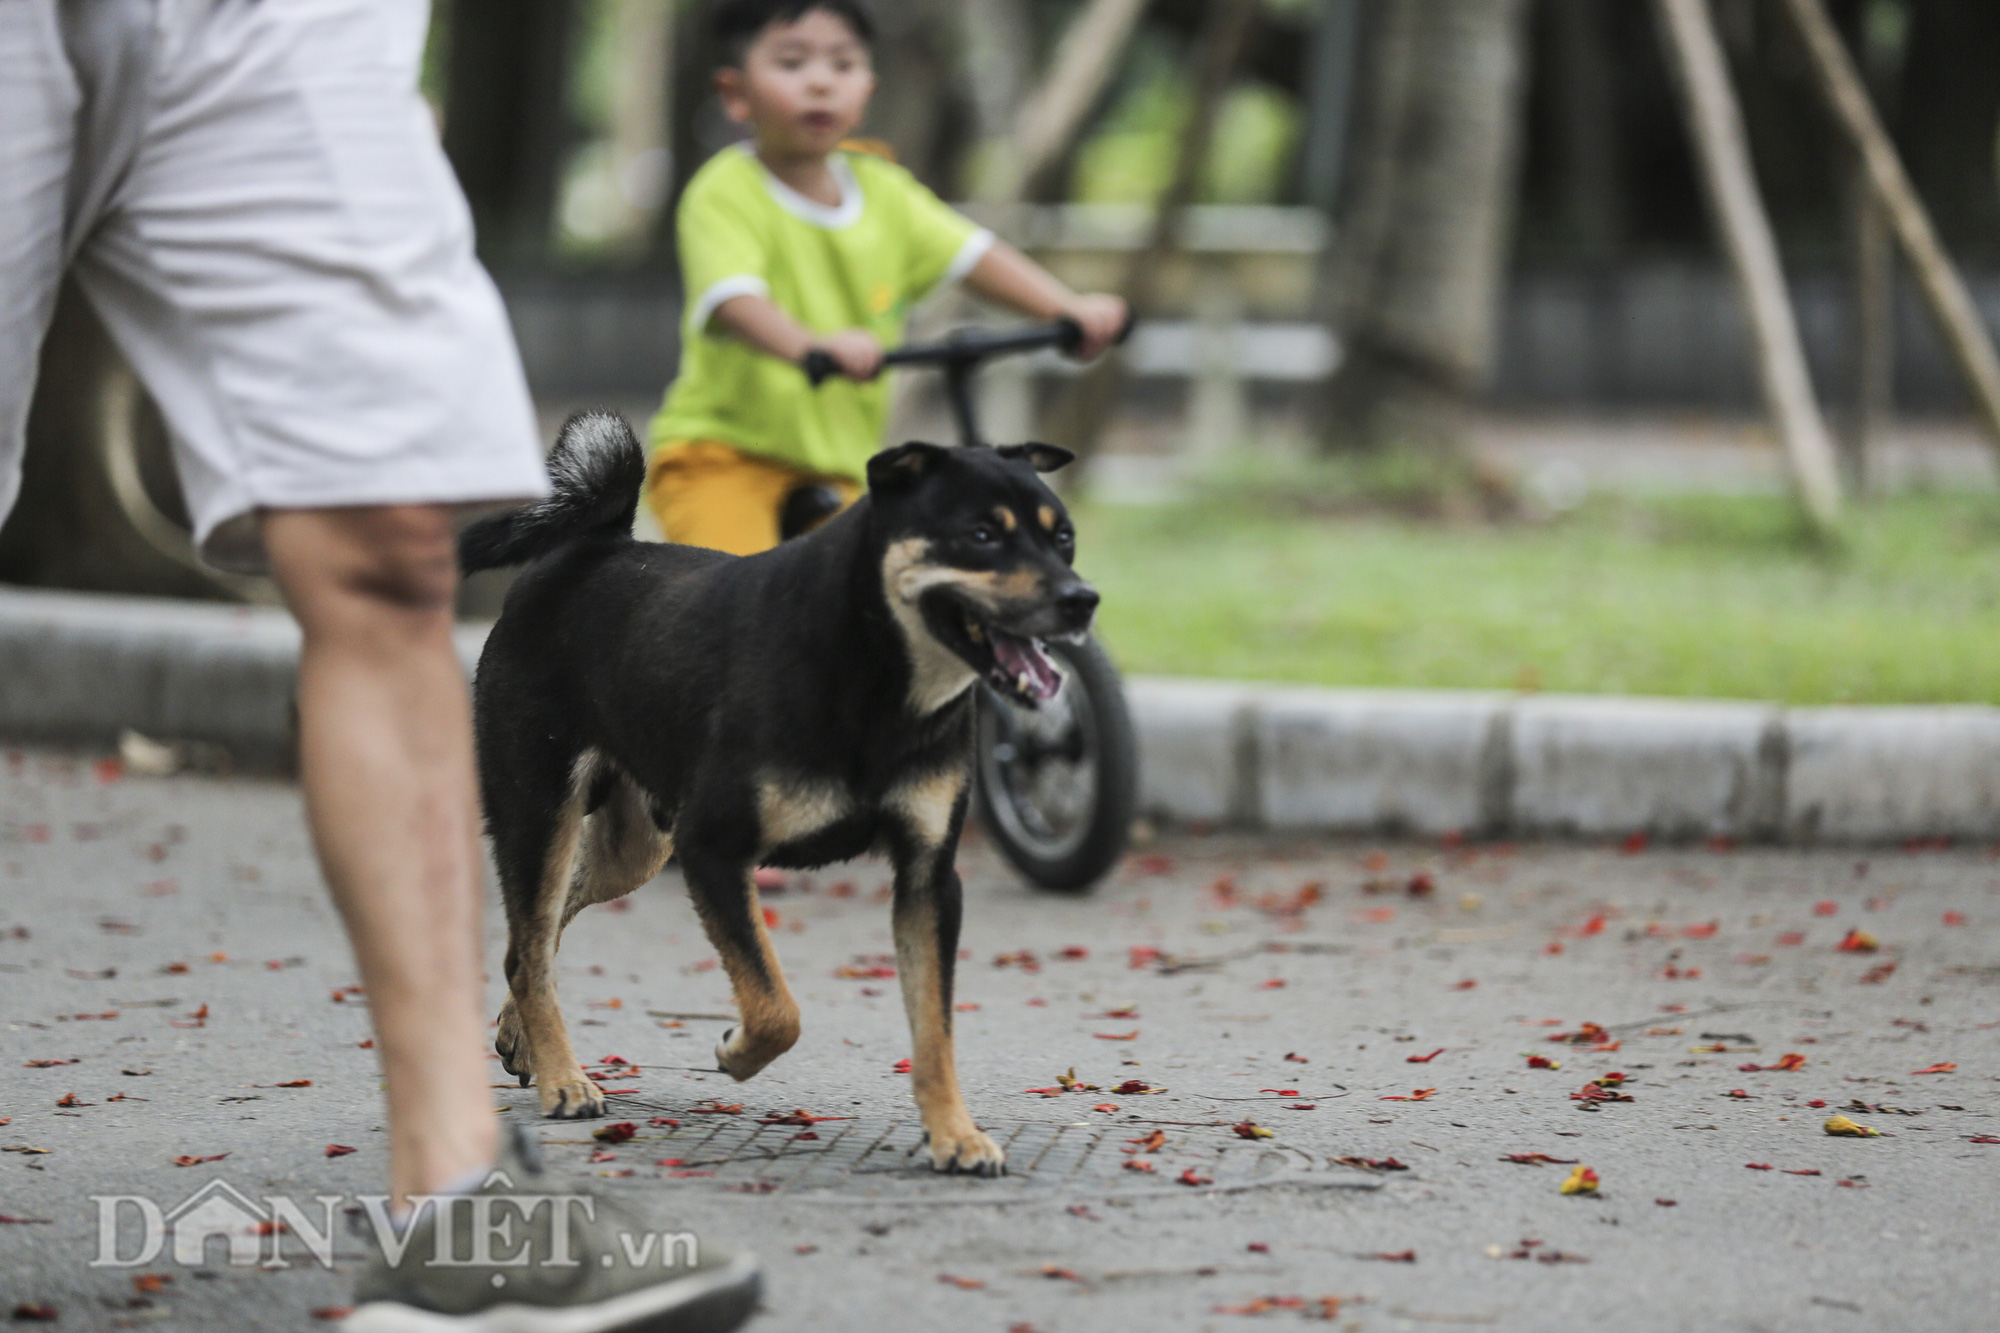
{"points": [[1019, 664]]}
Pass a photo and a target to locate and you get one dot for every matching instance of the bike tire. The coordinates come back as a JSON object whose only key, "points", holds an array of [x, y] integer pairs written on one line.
{"points": [[1076, 861]]}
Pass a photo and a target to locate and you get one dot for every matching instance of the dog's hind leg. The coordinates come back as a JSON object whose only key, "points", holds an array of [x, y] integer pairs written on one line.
{"points": [[618, 848], [725, 897], [925, 817], [537, 906], [528, 794]]}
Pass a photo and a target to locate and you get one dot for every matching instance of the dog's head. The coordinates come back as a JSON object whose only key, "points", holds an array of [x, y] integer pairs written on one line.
{"points": [[977, 554]]}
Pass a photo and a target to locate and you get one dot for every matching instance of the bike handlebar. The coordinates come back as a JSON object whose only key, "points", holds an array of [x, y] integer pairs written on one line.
{"points": [[966, 347]]}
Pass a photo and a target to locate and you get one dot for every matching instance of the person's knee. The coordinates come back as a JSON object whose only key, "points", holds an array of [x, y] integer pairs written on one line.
{"points": [[401, 558], [409, 560]]}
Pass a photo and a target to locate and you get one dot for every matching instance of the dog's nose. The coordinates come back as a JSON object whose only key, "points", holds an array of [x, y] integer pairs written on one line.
{"points": [[1075, 603]]}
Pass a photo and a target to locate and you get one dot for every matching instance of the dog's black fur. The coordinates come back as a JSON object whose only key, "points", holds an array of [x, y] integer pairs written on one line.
{"points": [[792, 708]]}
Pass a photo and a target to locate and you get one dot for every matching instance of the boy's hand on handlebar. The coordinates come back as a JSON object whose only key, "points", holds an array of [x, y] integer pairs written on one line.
{"points": [[1102, 317], [855, 351]]}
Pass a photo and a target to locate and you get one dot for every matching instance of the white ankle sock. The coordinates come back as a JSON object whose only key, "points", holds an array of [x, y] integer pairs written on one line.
{"points": [[469, 1181], [451, 1189]]}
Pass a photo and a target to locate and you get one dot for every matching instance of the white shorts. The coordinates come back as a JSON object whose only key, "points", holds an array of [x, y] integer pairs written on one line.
{"points": [[252, 195]]}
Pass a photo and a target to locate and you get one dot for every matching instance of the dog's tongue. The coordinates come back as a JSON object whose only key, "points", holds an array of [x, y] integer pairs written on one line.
{"points": [[1024, 659]]}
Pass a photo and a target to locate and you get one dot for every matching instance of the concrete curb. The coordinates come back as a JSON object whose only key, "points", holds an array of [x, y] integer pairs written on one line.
{"points": [[83, 667], [1490, 765]]}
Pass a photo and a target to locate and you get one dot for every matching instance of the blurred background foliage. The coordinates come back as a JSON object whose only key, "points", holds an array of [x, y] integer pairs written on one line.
{"points": [[1129, 158], [1398, 566], [1691, 595], [1486, 206], [1605, 170]]}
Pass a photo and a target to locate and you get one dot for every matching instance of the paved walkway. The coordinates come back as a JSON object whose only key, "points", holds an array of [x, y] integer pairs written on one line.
{"points": [[175, 929]]}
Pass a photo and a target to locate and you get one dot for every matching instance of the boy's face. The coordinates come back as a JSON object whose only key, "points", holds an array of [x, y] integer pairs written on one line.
{"points": [[802, 86]]}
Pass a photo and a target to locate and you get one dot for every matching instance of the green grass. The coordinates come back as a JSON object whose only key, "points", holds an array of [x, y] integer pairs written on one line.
{"points": [[1692, 597]]}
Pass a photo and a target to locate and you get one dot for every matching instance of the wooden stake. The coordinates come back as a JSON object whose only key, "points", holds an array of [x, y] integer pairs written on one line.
{"points": [[1716, 122], [1847, 97]]}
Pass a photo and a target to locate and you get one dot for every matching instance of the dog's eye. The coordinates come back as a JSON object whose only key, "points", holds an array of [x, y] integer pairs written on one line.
{"points": [[1066, 539], [982, 535]]}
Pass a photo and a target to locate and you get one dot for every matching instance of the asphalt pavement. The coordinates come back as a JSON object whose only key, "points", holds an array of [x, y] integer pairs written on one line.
{"points": [[176, 986]]}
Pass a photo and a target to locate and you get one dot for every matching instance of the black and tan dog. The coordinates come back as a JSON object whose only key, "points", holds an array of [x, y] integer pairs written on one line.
{"points": [[791, 709]]}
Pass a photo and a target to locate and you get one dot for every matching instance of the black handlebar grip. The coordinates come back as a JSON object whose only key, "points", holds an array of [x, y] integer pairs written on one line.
{"points": [[1071, 332], [819, 366]]}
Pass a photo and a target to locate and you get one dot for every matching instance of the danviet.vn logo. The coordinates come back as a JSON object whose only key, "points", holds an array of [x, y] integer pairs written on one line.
{"points": [[493, 1228]]}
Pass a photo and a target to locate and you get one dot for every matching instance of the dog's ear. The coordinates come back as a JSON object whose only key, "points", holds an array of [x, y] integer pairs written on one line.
{"points": [[903, 466], [1041, 457]]}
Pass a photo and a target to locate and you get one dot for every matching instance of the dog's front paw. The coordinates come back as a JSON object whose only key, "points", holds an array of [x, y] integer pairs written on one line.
{"points": [[507, 1042], [968, 1151], [735, 1057], [571, 1098]]}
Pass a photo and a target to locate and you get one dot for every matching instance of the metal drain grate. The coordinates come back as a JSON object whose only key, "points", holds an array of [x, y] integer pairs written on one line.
{"points": [[868, 1158]]}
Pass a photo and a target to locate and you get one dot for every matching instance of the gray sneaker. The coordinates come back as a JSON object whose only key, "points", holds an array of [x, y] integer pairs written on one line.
{"points": [[515, 1256]]}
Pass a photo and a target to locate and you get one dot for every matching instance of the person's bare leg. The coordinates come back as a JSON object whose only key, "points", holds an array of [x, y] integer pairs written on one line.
{"points": [[385, 755]]}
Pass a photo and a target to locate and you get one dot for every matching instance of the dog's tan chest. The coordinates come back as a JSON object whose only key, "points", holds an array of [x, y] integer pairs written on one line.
{"points": [[789, 809], [927, 804]]}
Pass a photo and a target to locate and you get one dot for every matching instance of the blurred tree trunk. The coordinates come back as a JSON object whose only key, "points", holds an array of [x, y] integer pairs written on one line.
{"points": [[507, 122], [1414, 280], [642, 93], [1946, 116], [997, 39], [1334, 55], [920, 107], [1586, 121], [696, 125], [1871, 332]]}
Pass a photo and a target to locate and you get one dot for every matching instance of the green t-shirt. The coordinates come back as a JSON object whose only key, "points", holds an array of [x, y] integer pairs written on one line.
{"points": [[860, 264]]}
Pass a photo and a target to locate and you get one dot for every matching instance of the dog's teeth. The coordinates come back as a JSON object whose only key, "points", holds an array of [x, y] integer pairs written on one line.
{"points": [[1022, 681]]}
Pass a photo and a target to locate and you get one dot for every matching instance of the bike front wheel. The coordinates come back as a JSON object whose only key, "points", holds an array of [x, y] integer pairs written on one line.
{"points": [[1058, 785]]}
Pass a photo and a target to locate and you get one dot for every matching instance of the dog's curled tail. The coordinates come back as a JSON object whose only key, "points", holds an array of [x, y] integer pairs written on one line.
{"points": [[596, 469]]}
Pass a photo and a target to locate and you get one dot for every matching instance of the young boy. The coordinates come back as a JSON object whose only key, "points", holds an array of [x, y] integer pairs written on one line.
{"points": [[792, 242]]}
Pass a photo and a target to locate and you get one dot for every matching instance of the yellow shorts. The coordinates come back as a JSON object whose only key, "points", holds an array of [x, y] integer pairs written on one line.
{"points": [[706, 493]]}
